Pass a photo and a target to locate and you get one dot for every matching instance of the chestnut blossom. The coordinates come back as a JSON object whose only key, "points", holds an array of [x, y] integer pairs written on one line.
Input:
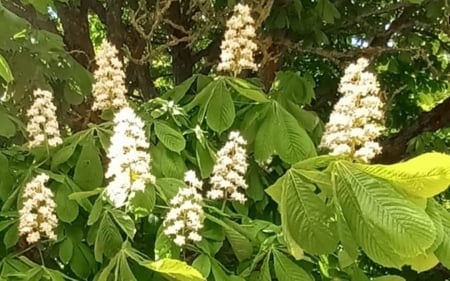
{"points": [[42, 125], [228, 173], [37, 215], [357, 118], [109, 88], [129, 168], [238, 45], [185, 218]]}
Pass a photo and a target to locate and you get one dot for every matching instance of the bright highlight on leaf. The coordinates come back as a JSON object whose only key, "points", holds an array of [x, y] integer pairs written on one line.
{"points": [[424, 176], [174, 269]]}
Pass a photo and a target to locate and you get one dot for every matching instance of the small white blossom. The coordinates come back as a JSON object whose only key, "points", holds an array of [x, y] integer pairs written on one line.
{"points": [[185, 218], [42, 125], [37, 215], [129, 168], [357, 118], [229, 171], [238, 45], [109, 87]]}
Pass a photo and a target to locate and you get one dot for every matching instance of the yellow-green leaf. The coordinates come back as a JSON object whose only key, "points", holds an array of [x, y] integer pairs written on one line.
{"points": [[175, 269], [424, 176]]}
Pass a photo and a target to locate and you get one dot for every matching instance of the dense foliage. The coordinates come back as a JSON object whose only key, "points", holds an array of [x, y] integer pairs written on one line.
{"points": [[182, 156]]}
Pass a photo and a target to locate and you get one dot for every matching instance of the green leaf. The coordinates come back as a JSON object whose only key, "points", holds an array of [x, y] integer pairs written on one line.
{"points": [[220, 114], [423, 262], [7, 127], [11, 236], [388, 227], [171, 138], [416, 1], [108, 240], [327, 11], [8, 181], [66, 250], [178, 92], [424, 176], [306, 217], [247, 89], [443, 251], [143, 202], [205, 159], [287, 270], [124, 221], [265, 270], [62, 155], [172, 164], [66, 210], [96, 211], [202, 264], [292, 143], [265, 136], [89, 170], [82, 262], [5, 71], [241, 246], [293, 86], [174, 269]]}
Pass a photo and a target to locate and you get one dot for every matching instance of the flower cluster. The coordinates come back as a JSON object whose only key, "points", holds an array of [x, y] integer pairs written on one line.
{"points": [[357, 118], [129, 167], [185, 217], [229, 171], [238, 45], [42, 126], [109, 87], [37, 216]]}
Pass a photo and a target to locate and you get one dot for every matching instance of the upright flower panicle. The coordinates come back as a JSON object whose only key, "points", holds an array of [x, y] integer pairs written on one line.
{"points": [[238, 45], [229, 171], [357, 118], [42, 125], [37, 216], [129, 168], [185, 217], [109, 88]]}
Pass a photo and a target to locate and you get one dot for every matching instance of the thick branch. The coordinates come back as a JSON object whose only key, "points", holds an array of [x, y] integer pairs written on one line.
{"points": [[394, 148], [74, 20]]}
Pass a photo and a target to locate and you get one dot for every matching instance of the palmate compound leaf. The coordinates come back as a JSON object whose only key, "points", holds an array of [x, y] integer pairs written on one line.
{"points": [[388, 227], [306, 217], [424, 176]]}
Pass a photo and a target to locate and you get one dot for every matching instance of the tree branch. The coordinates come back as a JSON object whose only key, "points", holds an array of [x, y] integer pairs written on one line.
{"points": [[394, 148]]}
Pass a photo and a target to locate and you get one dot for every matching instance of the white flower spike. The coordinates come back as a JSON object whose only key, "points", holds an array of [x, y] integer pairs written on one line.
{"points": [[229, 171], [129, 168], [185, 218], [238, 45], [109, 88], [37, 216], [357, 119], [42, 125]]}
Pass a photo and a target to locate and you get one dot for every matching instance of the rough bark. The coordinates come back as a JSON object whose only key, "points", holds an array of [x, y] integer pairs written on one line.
{"points": [[182, 56], [394, 148], [74, 20]]}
